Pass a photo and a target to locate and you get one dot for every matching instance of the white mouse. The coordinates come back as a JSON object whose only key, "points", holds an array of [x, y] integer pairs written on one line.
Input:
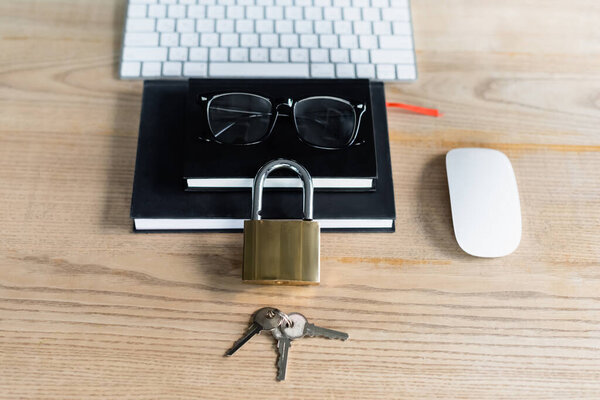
{"points": [[486, 212]]}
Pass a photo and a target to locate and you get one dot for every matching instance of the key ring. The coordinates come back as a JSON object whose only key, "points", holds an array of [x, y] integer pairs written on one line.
{"points": [[284, 317]]}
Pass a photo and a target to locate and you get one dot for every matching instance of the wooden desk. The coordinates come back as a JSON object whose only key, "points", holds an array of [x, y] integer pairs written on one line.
{"points": [[90, 310]]}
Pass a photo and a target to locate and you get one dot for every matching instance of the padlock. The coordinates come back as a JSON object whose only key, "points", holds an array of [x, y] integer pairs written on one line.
{"points": [[281, 251]]}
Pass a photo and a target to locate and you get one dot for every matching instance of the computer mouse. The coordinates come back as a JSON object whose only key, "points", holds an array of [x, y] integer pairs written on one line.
{"points": [[484, 198]]}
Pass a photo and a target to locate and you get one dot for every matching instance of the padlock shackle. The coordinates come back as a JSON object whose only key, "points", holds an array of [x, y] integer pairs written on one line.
{"points": [[259, 184]]}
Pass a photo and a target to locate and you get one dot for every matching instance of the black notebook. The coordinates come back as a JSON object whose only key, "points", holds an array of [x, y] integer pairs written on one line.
{"points": [[160, 203], [210, 165]]}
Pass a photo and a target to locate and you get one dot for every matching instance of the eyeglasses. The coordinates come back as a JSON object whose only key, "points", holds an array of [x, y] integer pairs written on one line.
{"points": [[321, 121]]}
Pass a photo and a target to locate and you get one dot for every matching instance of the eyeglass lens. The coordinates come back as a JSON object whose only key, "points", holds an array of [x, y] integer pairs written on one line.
{"points": [[239, 118]]}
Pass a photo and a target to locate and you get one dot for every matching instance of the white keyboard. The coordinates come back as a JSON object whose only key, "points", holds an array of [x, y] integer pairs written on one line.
{"points": [[269, 38]]}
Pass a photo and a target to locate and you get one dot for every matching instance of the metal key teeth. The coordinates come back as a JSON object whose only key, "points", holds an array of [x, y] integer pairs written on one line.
{"points": [[312, 330]]}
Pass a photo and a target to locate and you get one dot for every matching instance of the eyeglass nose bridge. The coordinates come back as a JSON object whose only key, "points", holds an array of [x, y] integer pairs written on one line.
{"points": [[285, 109]]}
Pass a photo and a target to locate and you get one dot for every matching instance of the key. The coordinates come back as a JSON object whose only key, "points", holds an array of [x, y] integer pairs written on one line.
{"points": [[283, 347], [265, 319], [300, 327]]}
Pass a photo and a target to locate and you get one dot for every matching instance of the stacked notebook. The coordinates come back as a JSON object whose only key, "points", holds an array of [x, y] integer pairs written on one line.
{"points": [[182, 182]]}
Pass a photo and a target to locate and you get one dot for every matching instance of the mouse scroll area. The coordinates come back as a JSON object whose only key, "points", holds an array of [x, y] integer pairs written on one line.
{"points": [[484, 198]]}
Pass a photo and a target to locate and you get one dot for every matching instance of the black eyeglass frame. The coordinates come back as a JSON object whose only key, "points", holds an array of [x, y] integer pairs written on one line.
{"points": [[357, 108]]}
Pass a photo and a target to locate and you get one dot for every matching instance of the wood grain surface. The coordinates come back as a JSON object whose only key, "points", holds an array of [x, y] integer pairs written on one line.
{"points": [[90, 310]]}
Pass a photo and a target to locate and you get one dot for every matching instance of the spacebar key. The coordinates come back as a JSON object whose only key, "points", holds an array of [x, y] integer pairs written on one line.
{"points": [[271, 70]]}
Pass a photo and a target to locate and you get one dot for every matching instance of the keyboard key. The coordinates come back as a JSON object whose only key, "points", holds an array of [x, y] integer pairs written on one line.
{"points": [[299, 55], [238, 54], [186, 25], [351, 14], [199, 54], [249, 40], [380, 3], [217, 54], [260, 55], [255, 12], [345, 71], [230, 40], [284, 2], [359, 56], [274, 12], [396, 14], [189, 39], [288, 40], [136, 11], [157, 11], [342, 27], [205, 25], [293, 13], [165, 25], [169, 39], [235, 12], [399, 3], [371, 14], [151, 69], [341, 3], [196, 11], [172, 69], [130, 69], [178, 53], [309, 41], [362, 28], [382, 28], [322, 71], [293, 70], [360, 3], [195, 69], [209, 39], [269, 40], [140, 25], [279, 55], [348, 41], [244, 26], [392, 57], [264, 26], [339, 56], [303, 26], [332, 13], [406, 72], [401, 28], [176, 11], [319, 55], [323, 3], [386, 72], [144, 54], [284, 26], [225, 25], [313, 13], [395, 42], [215, 12], [329, 41], [141, 39], [367, 41], [323, 27], [365, 71]]}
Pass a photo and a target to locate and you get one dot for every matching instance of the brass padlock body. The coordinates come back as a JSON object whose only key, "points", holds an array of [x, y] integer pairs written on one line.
{"points": [[281, 252]]}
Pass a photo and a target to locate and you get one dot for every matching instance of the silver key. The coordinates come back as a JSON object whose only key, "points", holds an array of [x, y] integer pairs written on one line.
{"points": [[300, 327], [265, 319], [283, 347]]}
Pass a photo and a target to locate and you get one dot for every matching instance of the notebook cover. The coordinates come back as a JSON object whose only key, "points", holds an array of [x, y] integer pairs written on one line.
{"points": [[213, 160], [158, 190]]}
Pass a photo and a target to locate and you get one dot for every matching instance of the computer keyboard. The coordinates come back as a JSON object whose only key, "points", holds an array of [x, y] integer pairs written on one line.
{"points": [[269, 38]]}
